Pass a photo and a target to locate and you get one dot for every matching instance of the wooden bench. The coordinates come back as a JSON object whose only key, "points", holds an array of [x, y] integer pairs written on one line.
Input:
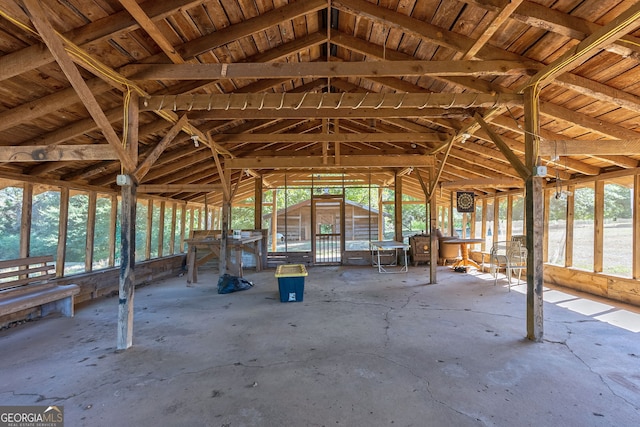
{"points": [[25, 285]]}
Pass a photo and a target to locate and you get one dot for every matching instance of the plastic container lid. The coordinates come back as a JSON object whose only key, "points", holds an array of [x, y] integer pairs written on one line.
{"points": [[291, 270]]}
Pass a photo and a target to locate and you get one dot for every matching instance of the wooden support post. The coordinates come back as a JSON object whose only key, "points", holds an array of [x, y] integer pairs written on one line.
{"points": [[257, 215], [25, 220], [127, 266], [535, 265], [451, 226], [483, 232], [534, 208], [226, 214], [636, 227], [63, 220], [183, 226], [161, 229], [274, 221], [172, 238], [598, 238], [568, 253], [545, 228], [398, 208], [509, 216], [147, 249], [433, 226], [380, 214], [113, 224], [91, 230], [496, 218], [206, 213]]}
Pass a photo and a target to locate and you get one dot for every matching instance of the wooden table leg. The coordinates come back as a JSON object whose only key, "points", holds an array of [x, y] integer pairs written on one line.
{"points": [[192, 269], [258, 254], [465, 261], [239, 260]]}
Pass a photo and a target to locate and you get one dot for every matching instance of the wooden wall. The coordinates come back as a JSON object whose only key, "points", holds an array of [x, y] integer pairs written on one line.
{"points": [[615, 288]]}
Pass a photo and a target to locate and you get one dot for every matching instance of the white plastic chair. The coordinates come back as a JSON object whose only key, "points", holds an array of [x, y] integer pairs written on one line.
{"points": [[510, 256]]}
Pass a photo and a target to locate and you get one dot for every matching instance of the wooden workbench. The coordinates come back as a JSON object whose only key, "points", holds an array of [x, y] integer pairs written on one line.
{"points": [[251, 244]]}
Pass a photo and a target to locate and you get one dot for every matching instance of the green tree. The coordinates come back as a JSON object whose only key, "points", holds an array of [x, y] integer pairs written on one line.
{"points": [[77, 228], [45, 220], [583, 203], [11, 205], [617, 201]]}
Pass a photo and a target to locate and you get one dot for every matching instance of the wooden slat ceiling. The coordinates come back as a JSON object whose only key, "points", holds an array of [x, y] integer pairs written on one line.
{"points": [[315, 86]]}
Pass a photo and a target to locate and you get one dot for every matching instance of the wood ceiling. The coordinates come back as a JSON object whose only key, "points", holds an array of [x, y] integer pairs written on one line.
{"points": [[371, 88]]}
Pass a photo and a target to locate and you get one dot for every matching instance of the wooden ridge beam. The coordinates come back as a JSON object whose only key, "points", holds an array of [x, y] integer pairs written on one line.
{"points": [[331, 137], [303, 162], [300, 70]]}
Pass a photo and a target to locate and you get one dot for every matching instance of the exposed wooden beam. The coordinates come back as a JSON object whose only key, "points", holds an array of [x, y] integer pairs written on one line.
{"points": [[50, 153], [590, 46], [53, 42], [108, 27], [179, 188], [316, 102], [579, 147], [549, 19], [517, 164], [144, 167], [491, 29], [330, 137], [324, 69], [346, 161], [251, 26], [460, 43], [154, 32], [484, 182]]}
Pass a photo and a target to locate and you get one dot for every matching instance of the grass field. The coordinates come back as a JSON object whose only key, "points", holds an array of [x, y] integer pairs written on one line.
{"points": [[617, 246]]}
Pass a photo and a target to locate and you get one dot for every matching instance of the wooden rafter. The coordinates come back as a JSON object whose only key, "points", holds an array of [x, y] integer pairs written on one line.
{"points": [[491, 29], [590, 46], [150, 27], [53, 42]]}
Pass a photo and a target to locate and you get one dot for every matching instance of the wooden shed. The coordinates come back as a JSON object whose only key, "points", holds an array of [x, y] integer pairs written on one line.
{"points": [[294, 222]]}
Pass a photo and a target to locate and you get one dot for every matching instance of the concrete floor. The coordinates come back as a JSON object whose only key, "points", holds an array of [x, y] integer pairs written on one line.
{"points": [[362, 349]]}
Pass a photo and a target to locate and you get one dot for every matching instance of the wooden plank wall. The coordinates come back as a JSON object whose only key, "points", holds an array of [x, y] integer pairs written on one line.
{"points": [[618, 288]]}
